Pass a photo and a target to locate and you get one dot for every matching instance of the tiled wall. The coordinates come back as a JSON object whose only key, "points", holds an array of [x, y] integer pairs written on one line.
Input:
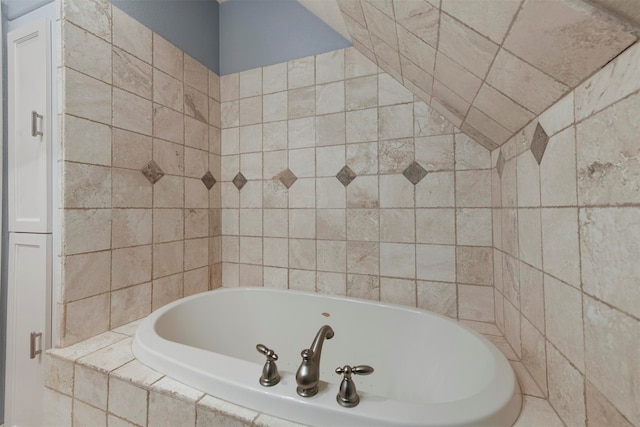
{"points": [[336, 179], [140, 144], [489, 66], [566, 232]]}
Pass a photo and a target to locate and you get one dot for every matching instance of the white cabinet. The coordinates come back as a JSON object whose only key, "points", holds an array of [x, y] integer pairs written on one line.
{"points": [[28, 308], [29, 114], [29, 208]]}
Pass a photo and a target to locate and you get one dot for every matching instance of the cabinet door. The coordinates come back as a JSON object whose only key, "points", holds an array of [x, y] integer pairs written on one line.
{"points": [[28, 311], [29, 114]]}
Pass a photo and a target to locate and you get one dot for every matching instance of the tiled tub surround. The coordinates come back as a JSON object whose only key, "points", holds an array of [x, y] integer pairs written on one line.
{"points": [[488, 66], [336, 179], [141, 145], [566, 232], [98, 382]]}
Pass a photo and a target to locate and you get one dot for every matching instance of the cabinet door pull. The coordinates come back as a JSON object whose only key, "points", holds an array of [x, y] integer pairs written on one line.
{"points": [[33, 352], [34, 123]]}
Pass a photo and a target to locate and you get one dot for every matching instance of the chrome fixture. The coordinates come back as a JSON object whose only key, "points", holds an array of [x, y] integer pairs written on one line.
{"points": [[270, 375], [308, 374], [347, 394]]}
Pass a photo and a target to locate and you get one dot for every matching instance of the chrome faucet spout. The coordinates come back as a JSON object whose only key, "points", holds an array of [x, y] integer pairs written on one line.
{"points": [[308, 374], [325, 332]]}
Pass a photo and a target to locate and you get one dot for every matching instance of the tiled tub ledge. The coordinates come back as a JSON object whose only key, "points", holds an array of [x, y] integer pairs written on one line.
{"points": [[99, 382]]}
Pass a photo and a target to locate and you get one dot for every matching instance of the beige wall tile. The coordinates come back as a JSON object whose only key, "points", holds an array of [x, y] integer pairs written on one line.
{"points": [[86, 275], [529, 236], [436, 262], [560, 245], [563, 320], [86, 53], [436, 190], [131, 227], [475, 55], [168, 58], [130, 35], [489, 18], [362, 125], [363, 192], [558, 171], [132, 74], [301, 72], [166, 410], [503, 110], [361, 93], [607, 171], [86, 230], [166, 290], [362, 286], [87, 97], [196, 75], [87, 141], [59, 375], [130, 266], [569, 59], [84, 414], [475, 303], [534, 353], [274, 78], [90, 386], [438, 297], [131, 112], [524, 84], [532, 295], [474, 265], [537, 412], [512, 330], [395, 191], [600, 412], [566, 388], [612, 355], [196, 104], [397, 260], [127, 401], [398, 291], [363, 257], [167, 258], [130, 304], [607, 245], [599, 92], [329, 98], [57, 408], [93, 15], [435, 226]]}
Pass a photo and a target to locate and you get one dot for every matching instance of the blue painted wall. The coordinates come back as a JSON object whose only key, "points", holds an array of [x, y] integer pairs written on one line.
{"points": [[13, 9], [255, 33], [191, 25]]}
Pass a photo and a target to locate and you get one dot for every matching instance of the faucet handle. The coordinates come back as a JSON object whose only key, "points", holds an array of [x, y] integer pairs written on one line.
{"points": [[347, 393], [355, 370], [270, 375], [267, 352]]}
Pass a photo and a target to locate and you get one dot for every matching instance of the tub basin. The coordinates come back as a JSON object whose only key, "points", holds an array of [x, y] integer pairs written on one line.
{"points": [[429, 370]]}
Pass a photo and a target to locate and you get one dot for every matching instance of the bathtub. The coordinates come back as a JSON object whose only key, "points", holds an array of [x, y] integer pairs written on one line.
{"points": [[429, 370]]}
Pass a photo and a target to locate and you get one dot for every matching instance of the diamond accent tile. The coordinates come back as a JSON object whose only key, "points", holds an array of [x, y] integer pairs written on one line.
{"points": [[346, 175], [287, 178], [539, 143], [208, 180], [500, 164], [414, 173], [152, 172], [239, 181]]}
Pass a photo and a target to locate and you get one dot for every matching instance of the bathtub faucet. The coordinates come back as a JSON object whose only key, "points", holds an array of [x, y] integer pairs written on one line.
{"points": [[308, 374]]}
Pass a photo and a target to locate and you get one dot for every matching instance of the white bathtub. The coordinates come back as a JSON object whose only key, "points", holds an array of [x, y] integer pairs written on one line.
{"points": [[429, 370]]}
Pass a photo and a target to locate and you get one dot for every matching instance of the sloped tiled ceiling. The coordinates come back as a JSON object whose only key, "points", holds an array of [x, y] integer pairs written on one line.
{"points": [[489, 66]]}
